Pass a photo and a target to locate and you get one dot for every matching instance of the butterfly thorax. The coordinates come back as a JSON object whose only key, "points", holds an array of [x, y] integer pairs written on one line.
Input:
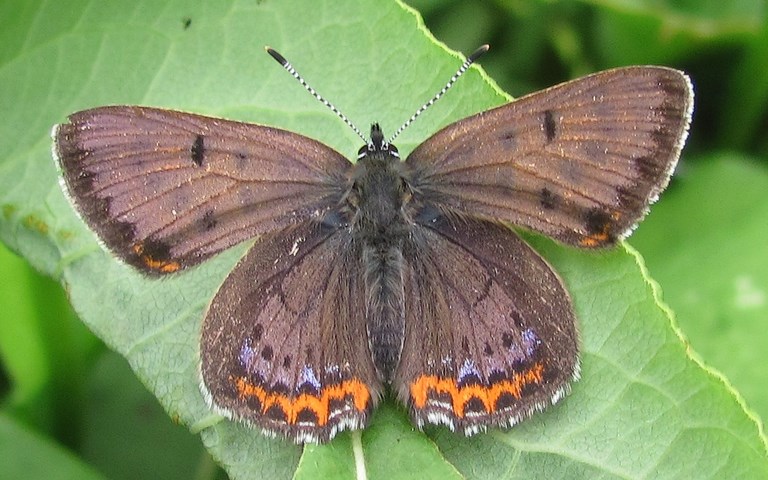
{"points": [[379, 195]]}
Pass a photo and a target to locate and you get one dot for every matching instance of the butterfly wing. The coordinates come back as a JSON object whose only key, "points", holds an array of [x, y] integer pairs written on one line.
{"points": [[580, 161], [284, 343], [490, 330], [165, 190]]}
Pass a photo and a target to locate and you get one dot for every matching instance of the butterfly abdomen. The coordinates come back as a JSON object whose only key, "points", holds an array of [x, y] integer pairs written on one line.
{"points": [[385, 310]]}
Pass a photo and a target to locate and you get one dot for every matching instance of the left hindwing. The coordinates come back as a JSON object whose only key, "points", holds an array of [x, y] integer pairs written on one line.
{"points": [[284, 340], [580, 161], [490, 331]]}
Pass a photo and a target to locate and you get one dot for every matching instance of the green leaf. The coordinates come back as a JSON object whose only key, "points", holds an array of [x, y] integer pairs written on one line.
{"points": [[706, 244], [643, 408], [744, 100], [643, 29], [120, 412], [27, 455], [400, 452], [44, 355]]}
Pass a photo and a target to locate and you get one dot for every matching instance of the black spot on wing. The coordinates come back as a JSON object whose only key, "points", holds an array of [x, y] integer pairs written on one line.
{"points": [[242, 160], [252, 401], [631, 199], [157, 250], [648, 168], [548, 199], [507, 138], [208, 221], [474, 405], [469, 379], [267, 353], [306, 415], [597, 220], [276, 413], [505, 400], [258, 331], [550, 129], [309, 388], [198, 150]]}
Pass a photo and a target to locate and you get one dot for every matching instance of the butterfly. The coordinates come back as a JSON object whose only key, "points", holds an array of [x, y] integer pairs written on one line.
{"points": [[382, 274]]}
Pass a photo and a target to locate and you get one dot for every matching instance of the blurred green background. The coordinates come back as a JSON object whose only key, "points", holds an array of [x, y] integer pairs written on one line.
{"points": [[706, 241]]}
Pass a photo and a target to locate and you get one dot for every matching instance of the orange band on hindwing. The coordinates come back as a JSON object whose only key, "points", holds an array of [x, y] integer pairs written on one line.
{"points": [[488, 395], [319, 404]]}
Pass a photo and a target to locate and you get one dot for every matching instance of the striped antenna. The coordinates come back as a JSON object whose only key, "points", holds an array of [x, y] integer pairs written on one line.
{"points": [[286, 65], [469, 61], [464, 66]]}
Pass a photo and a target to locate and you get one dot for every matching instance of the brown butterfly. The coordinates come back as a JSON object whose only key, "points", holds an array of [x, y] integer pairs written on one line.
{"points": [[383, 273]]}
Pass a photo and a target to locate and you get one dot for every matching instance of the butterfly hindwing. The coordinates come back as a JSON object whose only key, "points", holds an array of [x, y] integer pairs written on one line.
{"points": [[165, 190], [284, 341], [580, 161], [490, 330]]}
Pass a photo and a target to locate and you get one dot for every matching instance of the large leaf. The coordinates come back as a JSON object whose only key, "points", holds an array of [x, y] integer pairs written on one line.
{"points": [[26, 455], [707, 243], [644, 408]]}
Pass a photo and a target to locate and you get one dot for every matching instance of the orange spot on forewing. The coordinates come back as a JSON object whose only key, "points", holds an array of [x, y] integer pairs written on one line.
{"points": [[164, 266], [605, 234], [595, 239]]}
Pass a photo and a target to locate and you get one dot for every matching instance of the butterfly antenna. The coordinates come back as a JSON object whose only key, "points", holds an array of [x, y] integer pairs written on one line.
{"points": [[464, 66], [286, 65]]}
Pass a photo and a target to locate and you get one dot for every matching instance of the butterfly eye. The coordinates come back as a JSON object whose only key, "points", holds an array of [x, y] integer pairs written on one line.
{"points": [[363, 151]]}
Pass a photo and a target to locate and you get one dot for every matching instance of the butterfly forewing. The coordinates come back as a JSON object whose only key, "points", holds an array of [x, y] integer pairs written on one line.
{"points": [[580, 161], [166, 190], [285, 343], [490, 330]]}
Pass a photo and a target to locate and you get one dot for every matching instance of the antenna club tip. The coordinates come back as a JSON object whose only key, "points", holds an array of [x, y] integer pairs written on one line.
{"points": [[479, 52], [279, 58]]}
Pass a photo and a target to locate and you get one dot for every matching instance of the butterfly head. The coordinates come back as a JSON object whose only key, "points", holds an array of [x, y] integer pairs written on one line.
{"points": [[377, 145]]}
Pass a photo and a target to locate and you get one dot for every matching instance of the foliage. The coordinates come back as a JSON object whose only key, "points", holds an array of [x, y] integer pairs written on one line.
{"points": [[650, 404]]}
